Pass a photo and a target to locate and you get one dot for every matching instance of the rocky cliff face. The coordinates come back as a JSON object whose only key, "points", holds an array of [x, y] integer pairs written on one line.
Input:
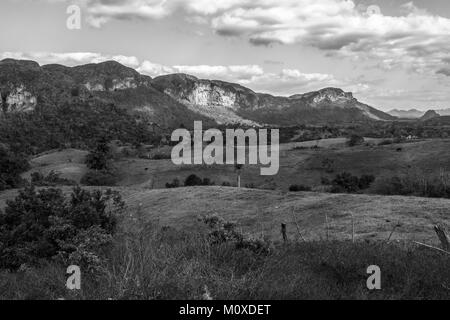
{"points": [[24, 85], [232, 103], [173, 99], [18, 100]]}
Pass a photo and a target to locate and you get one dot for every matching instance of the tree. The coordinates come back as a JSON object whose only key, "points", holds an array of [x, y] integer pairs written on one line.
{"points": [[11, 166], [355, 140], [45, 224], [98, 158]]}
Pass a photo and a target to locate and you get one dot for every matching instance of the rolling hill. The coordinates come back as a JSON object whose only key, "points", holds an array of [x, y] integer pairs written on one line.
{"points": [[262, 211]]}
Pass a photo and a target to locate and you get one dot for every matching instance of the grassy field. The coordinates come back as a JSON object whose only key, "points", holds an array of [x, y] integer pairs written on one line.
{"points": [[261, 212], [299, 164], [164, 252], [69, 163]]}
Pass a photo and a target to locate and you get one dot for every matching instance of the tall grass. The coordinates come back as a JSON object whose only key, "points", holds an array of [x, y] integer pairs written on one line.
{"points": [[164, 263], [415, 184]]}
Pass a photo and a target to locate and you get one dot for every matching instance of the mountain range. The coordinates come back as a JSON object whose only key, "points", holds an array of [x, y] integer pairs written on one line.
{"points": [[417, 114], [171, 100]]}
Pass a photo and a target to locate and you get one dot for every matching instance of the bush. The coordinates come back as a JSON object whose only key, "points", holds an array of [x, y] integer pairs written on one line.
{"points": [[194, 180], [98, 158], [365, 181], [162, 156], [415, 185], [298, 188], [51, 180], [45, 225], [174, 184], [223, 231], [99, 178], [164, 263], [355, 140], [11, 166], [346, 182]]}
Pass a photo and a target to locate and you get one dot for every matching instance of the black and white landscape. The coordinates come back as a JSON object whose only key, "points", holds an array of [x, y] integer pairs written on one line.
{"points": [[92, 93]]}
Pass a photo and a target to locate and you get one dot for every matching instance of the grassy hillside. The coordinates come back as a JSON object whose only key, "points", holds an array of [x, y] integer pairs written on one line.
{"points": [[261, 212], [70, 163], [299, 164], [164, 252]]}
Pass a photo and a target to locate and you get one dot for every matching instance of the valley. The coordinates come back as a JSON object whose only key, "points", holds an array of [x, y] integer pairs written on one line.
{"points": [[87, 177]]}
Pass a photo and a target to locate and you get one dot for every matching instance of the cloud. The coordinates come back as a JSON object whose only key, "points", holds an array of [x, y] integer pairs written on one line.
{"points": [[415, 40], [444, 71], [286, 82], [234, 73], [71, 58]]}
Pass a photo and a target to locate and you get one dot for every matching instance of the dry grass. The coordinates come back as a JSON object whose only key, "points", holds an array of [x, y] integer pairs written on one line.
{"points": [[69, 163], [260, 211], [167, 264], [303, 167]]}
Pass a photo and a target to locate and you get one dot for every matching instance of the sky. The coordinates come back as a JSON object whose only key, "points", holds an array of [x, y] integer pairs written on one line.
{"points": [[389, 53]]}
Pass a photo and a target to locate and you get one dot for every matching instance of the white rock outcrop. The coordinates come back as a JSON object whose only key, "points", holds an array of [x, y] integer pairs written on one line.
{"points": [[19, 100]]}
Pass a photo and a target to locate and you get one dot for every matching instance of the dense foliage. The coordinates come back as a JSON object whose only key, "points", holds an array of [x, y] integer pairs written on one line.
{"points": [[40, 225], [346, 182], [299, 187], [11, 166], [52, 179], [77, 125], [194, 180]]}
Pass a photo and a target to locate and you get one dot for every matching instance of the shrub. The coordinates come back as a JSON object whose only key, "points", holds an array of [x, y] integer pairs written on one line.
{"points": [[161, 156], [174, 184], [194, 180], [346, 182], [415, 185], [365, 181], [355, 140], [51, 180], [223, 231], [45, 225], [299, 187], [98, 158], [99, 178], [11, 166]]}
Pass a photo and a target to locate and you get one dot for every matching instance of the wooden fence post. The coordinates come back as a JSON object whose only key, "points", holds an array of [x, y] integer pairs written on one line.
{"points": [[283, 232], [440, 231]]}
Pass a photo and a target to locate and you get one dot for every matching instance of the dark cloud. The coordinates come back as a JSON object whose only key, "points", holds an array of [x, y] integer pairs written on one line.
{"points": [[444, 71]]}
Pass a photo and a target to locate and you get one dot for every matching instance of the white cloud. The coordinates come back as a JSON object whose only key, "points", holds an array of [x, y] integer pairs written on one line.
{"points": [[287, 81], [71, 58], [416, 40]]}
